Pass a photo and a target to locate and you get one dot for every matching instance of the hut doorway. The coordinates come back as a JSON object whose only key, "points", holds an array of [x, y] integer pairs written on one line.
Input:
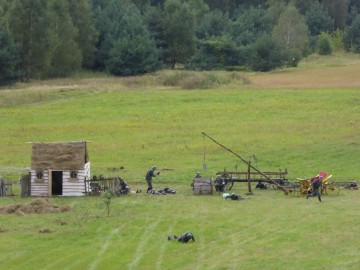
{"points": [[56, 183]]}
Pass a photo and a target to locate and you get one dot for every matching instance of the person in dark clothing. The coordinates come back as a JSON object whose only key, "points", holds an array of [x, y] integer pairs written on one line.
{"points": [[124, 188], [234, 197], [197, 176], [149, 175], [316, 184], [184, 238], [219, 183], [260, 185]]}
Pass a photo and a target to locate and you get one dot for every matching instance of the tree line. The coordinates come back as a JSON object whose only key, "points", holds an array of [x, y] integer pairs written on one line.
{"points": [[55, 38]]}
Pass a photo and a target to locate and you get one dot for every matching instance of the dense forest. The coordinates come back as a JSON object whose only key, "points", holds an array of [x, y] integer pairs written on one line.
{"points": [[54, 38]]}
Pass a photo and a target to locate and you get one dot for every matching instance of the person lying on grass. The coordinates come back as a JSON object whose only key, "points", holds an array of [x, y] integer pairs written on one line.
{"points": [[184, 238]]}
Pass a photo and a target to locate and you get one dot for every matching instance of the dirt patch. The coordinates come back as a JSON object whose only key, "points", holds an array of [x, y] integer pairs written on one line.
{"points": [[38, 206], [326, 77]]}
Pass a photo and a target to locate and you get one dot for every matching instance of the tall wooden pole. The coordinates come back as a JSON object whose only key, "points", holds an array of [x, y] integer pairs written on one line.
{"points": [[249, 178], [248, 163]]}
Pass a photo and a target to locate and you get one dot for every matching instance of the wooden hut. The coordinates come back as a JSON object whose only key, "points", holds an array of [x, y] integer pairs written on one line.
{"points": [[59, 169]]}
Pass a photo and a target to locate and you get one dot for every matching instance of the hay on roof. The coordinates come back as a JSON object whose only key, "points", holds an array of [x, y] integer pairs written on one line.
{"points": [[59, 156]]}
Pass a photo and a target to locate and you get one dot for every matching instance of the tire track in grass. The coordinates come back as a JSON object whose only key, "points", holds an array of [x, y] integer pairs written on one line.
{"points": [[103, 249], [162, 250], [201, 249], [140, 248]]}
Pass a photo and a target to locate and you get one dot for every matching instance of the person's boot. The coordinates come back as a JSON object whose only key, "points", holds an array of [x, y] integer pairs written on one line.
{"points": [[319, 198]]}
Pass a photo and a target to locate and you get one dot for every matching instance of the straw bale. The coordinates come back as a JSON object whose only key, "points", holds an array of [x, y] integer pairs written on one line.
{"points": [[59, 156]]}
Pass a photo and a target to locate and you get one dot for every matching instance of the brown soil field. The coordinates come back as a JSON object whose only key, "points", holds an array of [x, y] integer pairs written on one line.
{"points": [[319, 77]]}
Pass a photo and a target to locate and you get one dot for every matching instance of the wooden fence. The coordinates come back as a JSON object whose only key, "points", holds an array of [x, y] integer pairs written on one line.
{"points": [[5, 188]]}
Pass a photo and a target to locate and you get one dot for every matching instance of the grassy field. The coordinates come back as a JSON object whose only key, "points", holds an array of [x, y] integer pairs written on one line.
{"points": [[266, 231], [305, 120]]}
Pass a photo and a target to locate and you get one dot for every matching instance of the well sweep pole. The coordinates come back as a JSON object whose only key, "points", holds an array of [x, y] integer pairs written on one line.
{"points": [[255, 169]]}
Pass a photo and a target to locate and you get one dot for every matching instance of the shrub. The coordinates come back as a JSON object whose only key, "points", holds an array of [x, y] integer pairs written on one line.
{"points": [[9, 57], [325, 45], [352, 36], [268, 54]]}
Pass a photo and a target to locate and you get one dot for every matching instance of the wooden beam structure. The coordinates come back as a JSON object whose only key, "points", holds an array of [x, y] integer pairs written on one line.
{"points": [[249, 165]]}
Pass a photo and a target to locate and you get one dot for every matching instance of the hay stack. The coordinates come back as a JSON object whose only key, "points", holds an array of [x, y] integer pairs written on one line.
{"points": [[59, 156]]}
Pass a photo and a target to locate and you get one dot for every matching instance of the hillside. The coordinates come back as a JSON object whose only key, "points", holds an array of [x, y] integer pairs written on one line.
{"points": [[136, 122]]}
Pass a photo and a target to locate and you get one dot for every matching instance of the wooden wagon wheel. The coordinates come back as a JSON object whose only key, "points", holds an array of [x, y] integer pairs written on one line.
{"points": [[229, 184]]}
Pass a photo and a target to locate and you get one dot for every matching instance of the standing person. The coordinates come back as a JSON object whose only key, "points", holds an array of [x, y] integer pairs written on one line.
{"points": [[316, 183], [149, 175]]}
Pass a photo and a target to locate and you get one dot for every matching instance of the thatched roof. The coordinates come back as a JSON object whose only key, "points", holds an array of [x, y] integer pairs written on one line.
{"points": [[59, 156]]}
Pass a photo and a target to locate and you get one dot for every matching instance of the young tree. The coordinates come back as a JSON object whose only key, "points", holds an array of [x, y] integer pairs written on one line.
{"points": [[4, 8], [215, 23], [9, 57], [30, 25], [226, 6], [275, 9], [318, 20], [325, 44], [179, 28], [199, 9], [353, 12], [250, 24], [153, 20], [214, 53], [86, 37], [292, 30], [65, 53], [107, 197], [304, 5], [338, 10], [267, 54], [230, 6], [126, 47], [352, 36]]}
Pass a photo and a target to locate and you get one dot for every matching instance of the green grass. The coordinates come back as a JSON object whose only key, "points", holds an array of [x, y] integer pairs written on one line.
{"points": [[139, 122], [264, 231], [304, 131]]}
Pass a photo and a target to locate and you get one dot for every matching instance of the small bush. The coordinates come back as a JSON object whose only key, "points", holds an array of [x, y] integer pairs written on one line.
{"points": [[325, 44], [337, 39]]}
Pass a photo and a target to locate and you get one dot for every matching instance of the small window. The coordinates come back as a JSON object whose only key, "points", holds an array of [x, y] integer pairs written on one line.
{"points": [[73, 174], [39, 175]]}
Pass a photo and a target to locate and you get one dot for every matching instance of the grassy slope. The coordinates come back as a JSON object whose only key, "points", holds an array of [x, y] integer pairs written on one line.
{"points": [[304, 130]]}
